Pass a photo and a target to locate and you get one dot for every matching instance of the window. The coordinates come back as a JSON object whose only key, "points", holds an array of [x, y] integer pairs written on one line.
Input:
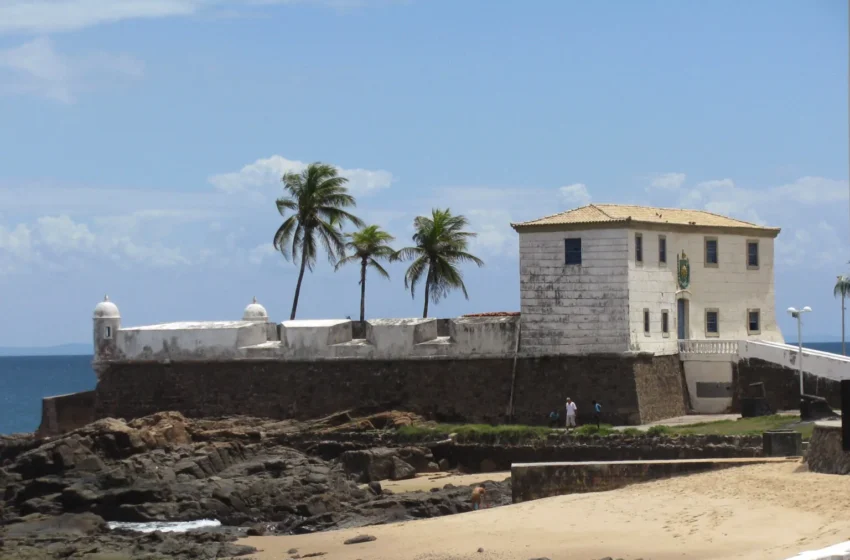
{"points": [[638, 248], [665, 323], [646, 322], [572, 251], [108, 333], [662, 249], [712, 322], [752, 255], [711, 251], [753, 321]]}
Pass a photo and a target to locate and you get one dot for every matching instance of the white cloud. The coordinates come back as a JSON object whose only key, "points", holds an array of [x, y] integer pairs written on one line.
{"points": [[575, 194], [668, 181], [815, 190], [267, 172], [49, 16], [262, 251], [36, 68], [61, 233]]}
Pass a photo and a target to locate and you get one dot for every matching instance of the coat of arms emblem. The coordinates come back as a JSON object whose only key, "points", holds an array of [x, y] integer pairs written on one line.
{"points": [[684, 271]]}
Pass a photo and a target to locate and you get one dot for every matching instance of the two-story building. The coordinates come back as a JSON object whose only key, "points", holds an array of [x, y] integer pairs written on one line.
{"points": [[615, 278]]}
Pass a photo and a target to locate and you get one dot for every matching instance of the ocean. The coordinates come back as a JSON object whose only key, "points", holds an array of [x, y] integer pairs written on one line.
{"points": [[25, 380]]}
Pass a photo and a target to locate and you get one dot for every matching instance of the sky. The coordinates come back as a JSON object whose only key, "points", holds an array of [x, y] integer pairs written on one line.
{"points": [[142, 141]]}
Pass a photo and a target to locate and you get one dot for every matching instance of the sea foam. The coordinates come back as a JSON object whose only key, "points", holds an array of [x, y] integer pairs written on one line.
{"points": [[165, 526]]}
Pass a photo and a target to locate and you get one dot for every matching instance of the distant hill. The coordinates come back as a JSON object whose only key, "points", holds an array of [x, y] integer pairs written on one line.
{"points": [[81, 349]]}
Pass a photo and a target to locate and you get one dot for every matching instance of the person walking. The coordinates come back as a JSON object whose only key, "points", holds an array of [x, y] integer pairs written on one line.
{"points": [[597, 412], [572, 409]]}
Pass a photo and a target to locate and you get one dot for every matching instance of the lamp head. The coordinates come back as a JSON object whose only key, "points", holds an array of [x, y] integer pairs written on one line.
{"points": [[807, 309], [791, 310]]}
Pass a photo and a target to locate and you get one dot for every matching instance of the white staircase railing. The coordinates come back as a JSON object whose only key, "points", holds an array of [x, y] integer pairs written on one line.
{"points": [[708, 346]]}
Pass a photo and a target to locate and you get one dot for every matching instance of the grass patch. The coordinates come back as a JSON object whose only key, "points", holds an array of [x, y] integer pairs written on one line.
{"points": [[476, 433], [743, 426], [592, 430]]}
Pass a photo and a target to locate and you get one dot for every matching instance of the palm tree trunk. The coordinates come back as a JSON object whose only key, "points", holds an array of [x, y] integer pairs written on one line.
{"points": [[363, 291], [427, 293], [843, 350], [298, 286]]}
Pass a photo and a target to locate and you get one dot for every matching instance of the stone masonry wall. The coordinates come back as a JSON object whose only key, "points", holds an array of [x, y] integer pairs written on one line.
{"points": [[661, 389], [444, 390], [781, 384]]}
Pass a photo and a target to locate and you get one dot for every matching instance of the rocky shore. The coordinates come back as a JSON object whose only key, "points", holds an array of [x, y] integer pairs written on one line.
{"points": [[60, 492], [259, 477]]}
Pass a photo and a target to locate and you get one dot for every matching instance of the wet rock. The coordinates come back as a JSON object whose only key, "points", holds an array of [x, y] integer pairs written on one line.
{"points": [[444, 465], [488, 466], [361, 539], [375, 488]]}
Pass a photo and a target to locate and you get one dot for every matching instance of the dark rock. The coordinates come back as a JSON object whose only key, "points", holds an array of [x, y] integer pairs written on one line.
{"points": [[541, 558], [292, 551], [375, 488], [402, 470], [361, 539], [257, 530], [444, 464], [488, 466], [314, 554], [480, 550]]}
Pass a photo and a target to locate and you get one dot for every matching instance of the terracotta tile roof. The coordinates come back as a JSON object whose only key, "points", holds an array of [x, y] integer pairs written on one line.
{"points": [[621, 213]]}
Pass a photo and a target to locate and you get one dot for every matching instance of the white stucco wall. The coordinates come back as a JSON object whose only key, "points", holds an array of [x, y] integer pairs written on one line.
{"points": [[574, 309], [708, 368], [193, 341], [386, 339], [821, 364], [731, 288]]}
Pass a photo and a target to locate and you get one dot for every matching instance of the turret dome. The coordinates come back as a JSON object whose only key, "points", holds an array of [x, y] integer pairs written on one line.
{"points": [[255, 312], [106, 310]]}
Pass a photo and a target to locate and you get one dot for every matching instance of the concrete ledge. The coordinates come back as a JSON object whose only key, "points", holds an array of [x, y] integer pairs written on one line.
{"points": [[303, 338], [532, 481], [64, 413], [825, 454]]}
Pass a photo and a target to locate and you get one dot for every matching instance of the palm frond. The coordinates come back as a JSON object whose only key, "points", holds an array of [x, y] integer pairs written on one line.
{"points": [[377, 266]]}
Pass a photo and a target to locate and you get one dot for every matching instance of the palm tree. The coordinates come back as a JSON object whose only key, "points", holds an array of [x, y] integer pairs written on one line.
{"points": [[317, 197], [367, 245], [440, 245], [842, 288]]}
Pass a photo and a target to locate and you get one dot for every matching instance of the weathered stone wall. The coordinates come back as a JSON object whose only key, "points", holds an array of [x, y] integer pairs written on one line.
{"points": [[661, 390], [66, 412], [533, 481], [781, 384], [825, 454], [445, 390]]}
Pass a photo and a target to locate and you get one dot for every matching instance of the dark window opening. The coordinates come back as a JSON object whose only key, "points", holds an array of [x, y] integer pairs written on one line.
{"points": [[665, 322], [711, 325], [754, 321], [638, 248], [662, 250], [752, 254], [572, 251], [108, 332], [646, 321], [711, 251]]}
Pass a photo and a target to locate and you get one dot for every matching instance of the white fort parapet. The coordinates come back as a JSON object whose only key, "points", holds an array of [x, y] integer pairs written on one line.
{"points": [[398, 336], [307, 338], [256, 338]]}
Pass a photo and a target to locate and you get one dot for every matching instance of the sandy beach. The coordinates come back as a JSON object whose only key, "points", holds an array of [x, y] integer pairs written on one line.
{"points": [[760, 512]]}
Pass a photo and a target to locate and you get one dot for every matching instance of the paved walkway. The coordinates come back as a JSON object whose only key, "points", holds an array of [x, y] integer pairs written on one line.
{"points": [[691, 419]]}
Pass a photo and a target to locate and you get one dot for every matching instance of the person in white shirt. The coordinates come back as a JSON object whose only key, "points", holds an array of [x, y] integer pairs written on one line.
{"points": [[571, 413]]}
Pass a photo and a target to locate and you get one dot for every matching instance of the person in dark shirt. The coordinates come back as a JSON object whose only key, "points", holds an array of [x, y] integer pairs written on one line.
{"points": [[554, 417], [597, 412]]}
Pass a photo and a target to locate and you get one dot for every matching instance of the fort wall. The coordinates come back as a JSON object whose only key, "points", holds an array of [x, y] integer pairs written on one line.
{"points": [[442, 389]]}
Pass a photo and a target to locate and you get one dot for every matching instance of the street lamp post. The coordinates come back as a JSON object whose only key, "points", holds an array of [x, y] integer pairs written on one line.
{"points": [[798, 314]]}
